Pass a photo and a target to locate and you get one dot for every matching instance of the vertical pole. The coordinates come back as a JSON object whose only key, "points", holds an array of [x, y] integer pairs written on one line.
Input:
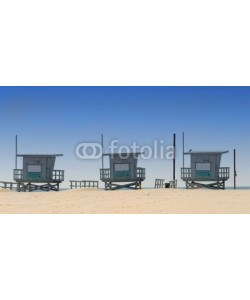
{"points": [[183, 149], [102, 152], [235, 172], [16, 154], [174, 160]]}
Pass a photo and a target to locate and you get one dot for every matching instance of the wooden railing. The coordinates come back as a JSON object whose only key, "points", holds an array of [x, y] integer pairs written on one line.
{"points": [[57, 175], [105, 174], [186, 173], [140, 173], [7, 185], [78, 184], [224, 173], [160, 184], [18, 174]]}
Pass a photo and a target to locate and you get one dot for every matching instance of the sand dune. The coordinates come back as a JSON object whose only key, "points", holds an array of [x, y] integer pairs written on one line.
{"points": [[163, 201]]}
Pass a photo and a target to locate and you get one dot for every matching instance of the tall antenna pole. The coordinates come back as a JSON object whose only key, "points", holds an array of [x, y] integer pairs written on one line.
{"points": [[174, 160], [16, 154], [102, 152], [235, 172], [183, 148]]}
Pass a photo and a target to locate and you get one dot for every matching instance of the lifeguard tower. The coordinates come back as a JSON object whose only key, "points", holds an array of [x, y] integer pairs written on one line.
{"points": [[122, 172], [38, 173], [205, 170]]}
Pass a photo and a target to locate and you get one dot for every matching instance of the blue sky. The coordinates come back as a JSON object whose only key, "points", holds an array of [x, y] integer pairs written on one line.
{"points": [[57, 119]]}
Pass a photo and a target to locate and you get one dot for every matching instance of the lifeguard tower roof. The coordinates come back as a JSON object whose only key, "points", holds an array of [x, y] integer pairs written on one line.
{"points": [[123, 154], [40, 155], [206, 152]]}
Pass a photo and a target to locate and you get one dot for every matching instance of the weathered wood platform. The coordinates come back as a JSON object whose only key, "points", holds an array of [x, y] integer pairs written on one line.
{"points": [[30, 187], [136, 185], [218, 185]]}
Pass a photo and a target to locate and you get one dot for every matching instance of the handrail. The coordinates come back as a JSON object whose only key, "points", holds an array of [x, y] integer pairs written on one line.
{"points": [[224, 173], [57, 175], [105, 174]]}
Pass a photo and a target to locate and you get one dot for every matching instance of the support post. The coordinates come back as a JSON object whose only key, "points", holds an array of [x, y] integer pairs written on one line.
{"points": [[235, 172], [16, 154], [174, 160], [102, 152], [183, 149]]}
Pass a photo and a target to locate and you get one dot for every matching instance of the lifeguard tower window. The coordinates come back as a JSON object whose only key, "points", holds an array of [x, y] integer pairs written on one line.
{"points": [[122, 167], [203, 169], [35, 168], [122, 170], [34, 171]]}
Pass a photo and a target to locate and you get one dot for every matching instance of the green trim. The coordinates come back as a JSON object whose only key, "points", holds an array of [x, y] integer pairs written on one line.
{"points": [[203, 174], [122, 174], [34, 175]]}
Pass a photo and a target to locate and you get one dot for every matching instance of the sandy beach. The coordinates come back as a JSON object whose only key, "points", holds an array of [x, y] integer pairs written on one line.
{"points": [[146, 201]]}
